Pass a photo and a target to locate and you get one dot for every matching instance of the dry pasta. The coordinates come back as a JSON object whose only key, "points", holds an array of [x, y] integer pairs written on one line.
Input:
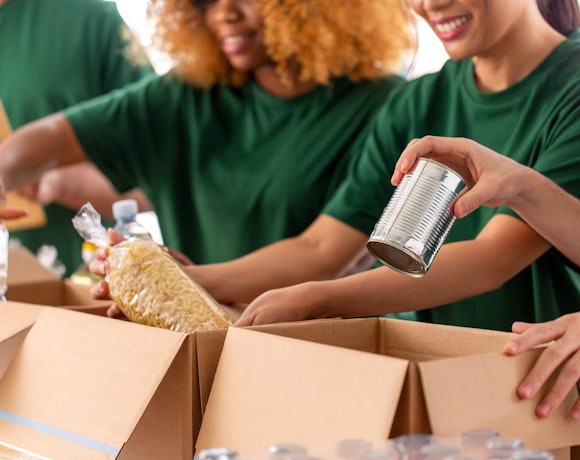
{"points": [[151, 288]]}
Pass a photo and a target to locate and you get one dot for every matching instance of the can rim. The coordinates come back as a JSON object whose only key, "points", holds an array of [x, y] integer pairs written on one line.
{"points": [[419, 266]]}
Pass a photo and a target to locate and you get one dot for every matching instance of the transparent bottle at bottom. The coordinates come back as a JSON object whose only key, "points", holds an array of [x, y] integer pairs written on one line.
{"points": [[126, 225]]}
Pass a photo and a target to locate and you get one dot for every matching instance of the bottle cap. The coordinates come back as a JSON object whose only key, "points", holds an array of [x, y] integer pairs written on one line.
{"points": [[123, 208]]}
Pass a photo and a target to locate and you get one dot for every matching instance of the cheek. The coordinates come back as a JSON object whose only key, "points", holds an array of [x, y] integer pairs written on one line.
{"points": [[417, 7]]}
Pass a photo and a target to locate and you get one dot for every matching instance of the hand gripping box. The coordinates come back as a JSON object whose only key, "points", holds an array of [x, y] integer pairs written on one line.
{"points": [[319, 382], [78, 386]]}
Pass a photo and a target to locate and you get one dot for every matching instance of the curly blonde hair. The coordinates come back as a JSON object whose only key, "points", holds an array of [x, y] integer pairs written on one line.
{"points": [[306, 40]]}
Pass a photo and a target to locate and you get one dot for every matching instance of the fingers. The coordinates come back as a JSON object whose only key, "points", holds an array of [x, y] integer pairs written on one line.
{"points": [[455, 153], [100, 290], [114, 237], [532, 335], [561, 358], [575, 412], [243, 321], [565, 382], [12, 213], [98, 266], [247, 317], [520, 327], [406, 162], [180, 257], [115, 312]]}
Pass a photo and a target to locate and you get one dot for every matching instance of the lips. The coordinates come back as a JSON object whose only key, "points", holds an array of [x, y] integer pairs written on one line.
{"points": [[233, 44], [450, 28]]}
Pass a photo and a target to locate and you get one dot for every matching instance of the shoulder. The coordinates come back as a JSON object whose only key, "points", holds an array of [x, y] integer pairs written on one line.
{"points": [[100, 7], [106, 8]]}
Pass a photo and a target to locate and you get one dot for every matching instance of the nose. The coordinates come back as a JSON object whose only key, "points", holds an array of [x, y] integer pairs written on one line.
{"points": [[227, 11], [432, 5]]}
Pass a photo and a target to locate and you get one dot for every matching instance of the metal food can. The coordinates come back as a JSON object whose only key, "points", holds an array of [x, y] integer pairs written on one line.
{"points": [[417, 219]]}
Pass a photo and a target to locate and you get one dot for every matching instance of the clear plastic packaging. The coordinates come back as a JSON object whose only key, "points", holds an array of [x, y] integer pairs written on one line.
{"points": [[149, 285], [126, 225], [474, 442], [217, 453], [82, 274], [151, 288], [282, 451]]}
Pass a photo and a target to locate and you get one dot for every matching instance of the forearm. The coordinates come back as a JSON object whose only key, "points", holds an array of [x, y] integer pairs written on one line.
{"points": [[461, 270], [551, 211], [72, 186], [281, 264], [310, 256], [36, 148]]}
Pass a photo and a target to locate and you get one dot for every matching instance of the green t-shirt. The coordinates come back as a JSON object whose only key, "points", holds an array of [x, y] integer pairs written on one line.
{"points": [[228, 170], [536, 122], [56, 53]]}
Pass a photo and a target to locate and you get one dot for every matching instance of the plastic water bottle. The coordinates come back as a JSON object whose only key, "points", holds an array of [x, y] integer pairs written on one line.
{"points": [[82, 274], [125, 214]]}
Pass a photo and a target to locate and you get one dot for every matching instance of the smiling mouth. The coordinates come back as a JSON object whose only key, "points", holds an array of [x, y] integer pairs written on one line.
{"points": [[234, 44], [450, 26]]}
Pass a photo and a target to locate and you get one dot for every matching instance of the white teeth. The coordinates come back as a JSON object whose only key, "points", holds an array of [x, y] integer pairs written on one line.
{"points": [[233, 39], [449, 26]]}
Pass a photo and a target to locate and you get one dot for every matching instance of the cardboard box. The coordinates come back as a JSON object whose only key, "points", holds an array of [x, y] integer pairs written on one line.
{"points": [[30, 282], [318, 382], [82, 386]]}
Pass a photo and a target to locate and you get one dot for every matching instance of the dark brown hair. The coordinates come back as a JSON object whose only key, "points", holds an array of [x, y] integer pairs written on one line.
{"points": [[562, 15]]}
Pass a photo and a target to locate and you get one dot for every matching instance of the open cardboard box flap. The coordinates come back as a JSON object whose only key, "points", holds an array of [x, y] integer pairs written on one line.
{"points": [[391, 377], [30, 282], [286, 389], [16, 319], [487, 388], [83, 386]]}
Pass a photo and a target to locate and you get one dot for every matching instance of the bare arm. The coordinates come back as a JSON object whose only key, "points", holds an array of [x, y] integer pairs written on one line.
{"points": [[36, 148], [320, 252], [73, 185], [461, 270], [551, 211], [555, 214], [497, 180]]}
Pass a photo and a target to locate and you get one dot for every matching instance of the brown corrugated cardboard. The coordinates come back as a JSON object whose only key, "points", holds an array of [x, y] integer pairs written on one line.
{"points": [[270, 389], [15, 321], [30, 282], [83, 386], [311, 393]]}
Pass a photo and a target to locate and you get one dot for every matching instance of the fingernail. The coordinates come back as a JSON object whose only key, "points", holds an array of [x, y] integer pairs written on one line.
{"points": [[526, 390], [511, 347], [544, 409], [462, 210], [575, 414]]}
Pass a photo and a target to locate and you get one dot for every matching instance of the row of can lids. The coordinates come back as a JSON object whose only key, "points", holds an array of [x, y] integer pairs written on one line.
{"points": [[481, 444]]}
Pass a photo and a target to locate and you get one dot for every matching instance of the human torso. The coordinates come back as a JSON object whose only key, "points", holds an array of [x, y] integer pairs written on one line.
{"points": [[54, 53], [230, 170], [536, 122]]}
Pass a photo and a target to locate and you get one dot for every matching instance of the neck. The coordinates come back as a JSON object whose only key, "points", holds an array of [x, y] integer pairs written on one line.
{"points": [[516, 56], [269, 80]]}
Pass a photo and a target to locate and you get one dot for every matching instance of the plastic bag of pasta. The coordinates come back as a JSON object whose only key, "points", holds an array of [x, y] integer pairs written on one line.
{"points": [[151, 288], [149, 285]]}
